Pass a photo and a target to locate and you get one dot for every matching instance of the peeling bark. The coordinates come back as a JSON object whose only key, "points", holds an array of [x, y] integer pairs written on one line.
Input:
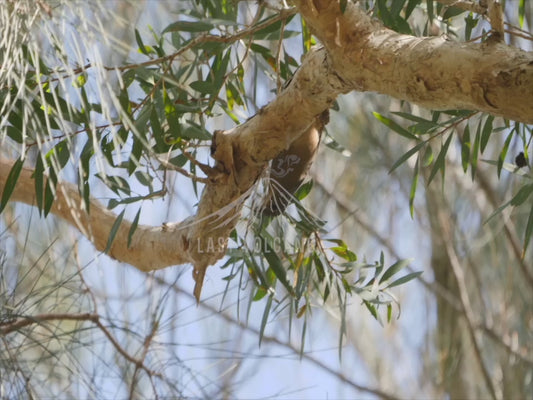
{"points": [[433, 72]]}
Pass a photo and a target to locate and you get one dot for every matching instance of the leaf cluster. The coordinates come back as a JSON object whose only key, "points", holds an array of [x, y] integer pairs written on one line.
{"points": [[472, 133]]}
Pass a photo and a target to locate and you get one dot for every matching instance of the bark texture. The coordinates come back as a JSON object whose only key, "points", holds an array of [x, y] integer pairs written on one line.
{"points": [[358, 54], [434, 72]]}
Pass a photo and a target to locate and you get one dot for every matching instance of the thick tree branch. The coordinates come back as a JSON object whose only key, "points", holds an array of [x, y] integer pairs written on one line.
{"points": [[168, 242], [433, 72]]}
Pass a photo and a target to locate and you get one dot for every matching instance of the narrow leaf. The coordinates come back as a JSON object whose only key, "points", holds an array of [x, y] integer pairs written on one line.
{"points": [[413, 187], [133, 227], [49, 191], [189, 26], [406, 156], [485, 134], [114, 230], [439, 162], [405, 279], [503, 153], [465, 148], [140, 43], [394, 126], [10, 182], [475, 151], [497, 211], [394, 268], [275, 263], [265, 318], [522, 195], [39, 183], [371, 308], [529, 231]]}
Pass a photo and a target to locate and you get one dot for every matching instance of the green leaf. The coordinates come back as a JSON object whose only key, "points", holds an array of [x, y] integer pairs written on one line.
{"points": [[475, 151], [133, 227], [414, 183], [83, 183], [39, 183], [272, 31], [275, 263], [430, 10], [49, 191], [522, 195], [394, 268], [394, 126], [319, 267], [384, 13], [497, 211], [405, 279], [396, 7], [412, 117], [115, 183], [465, 148], [371, 308], [188, 26], [503, 153], [410, 7], [128, 77], [304, 190], [406, 156], [11, 182], [521, 12], [113, 232], [59, 152], [344, 253], [261, 292], [144, 178], [265, 318], [140, 43], [203, 87], [470, 24], [485, 135], [190, 130], [135, 155], [14, 133], [440, 161], [452, 12], [529, 231], [15, 120]]}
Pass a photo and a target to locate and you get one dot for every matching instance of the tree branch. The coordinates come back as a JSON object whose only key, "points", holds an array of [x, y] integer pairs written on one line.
{"points": [[433, 72]]}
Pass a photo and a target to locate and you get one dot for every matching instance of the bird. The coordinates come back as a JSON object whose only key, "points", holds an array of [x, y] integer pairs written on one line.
{"points": [[289, 168]]}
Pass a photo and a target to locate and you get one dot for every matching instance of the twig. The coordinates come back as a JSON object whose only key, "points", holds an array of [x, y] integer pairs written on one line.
{"points": [[182, 171], [10, 327], [495, 14], [271, 339]]}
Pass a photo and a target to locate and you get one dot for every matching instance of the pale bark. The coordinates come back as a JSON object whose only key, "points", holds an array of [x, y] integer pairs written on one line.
{"points": [[434, 72], [359, 54]]}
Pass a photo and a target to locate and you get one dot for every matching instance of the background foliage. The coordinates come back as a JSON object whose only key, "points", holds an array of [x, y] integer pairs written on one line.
{"points": [[122, 98]]}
